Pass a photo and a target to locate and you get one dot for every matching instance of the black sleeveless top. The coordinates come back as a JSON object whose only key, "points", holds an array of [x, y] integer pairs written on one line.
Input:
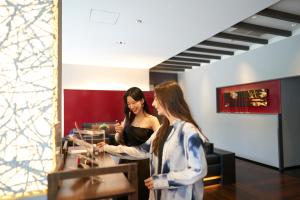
{"points": [[134, 136]]}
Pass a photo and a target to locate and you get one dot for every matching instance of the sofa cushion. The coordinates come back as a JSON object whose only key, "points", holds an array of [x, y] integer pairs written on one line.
{"points": [[212, 159]]}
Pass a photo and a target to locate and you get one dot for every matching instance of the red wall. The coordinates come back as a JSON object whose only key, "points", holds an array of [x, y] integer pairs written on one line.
{"points": [[95, 106]]}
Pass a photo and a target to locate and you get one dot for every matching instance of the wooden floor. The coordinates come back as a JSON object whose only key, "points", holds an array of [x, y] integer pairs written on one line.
{"points": [[255, 182]]}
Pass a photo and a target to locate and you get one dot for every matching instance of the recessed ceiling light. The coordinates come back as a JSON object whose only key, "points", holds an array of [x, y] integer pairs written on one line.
{"points": [[254, 17], [292, 25], [120, 43]]}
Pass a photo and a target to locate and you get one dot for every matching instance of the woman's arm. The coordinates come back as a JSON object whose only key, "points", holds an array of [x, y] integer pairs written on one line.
{"points": [[131, 153], [195, 170], [125, 152]]}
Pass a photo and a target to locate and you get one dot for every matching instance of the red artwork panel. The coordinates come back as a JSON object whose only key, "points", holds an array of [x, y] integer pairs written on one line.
{"points": [[260, 97], [89, 106]]}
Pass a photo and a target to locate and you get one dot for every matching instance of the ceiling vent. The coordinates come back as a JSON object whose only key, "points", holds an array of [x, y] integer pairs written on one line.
{"points": [[104, 16]]}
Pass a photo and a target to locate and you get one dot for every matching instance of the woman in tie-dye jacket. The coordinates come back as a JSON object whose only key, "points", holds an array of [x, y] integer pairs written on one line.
{"points": [[177, 159]]}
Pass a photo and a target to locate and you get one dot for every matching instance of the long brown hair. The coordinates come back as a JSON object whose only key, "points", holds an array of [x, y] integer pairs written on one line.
{"points": [[170, 97]]}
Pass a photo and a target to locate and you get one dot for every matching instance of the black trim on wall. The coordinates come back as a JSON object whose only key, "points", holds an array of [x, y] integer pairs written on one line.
{"points": [[257, 163], [280, 144]]}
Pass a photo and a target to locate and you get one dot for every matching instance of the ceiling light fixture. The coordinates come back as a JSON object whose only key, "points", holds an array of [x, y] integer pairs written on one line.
{"points": [[139, 21], [121, 43]]}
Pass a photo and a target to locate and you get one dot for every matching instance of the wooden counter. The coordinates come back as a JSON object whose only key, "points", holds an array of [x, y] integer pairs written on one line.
{"points": [[109, 181]]}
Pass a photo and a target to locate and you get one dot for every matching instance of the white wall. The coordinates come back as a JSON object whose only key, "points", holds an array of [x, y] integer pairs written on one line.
{"points": [[99, 78], [250, 136]]}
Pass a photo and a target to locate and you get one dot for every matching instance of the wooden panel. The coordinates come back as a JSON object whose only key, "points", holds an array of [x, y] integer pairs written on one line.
{"points": [[108, 180]]}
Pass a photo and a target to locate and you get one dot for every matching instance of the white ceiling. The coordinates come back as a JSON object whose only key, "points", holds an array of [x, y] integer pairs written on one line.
{"points": [[143, 33]]}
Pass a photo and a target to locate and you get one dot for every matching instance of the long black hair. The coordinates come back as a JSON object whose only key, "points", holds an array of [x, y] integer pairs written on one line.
{"points": [[137, 94]]}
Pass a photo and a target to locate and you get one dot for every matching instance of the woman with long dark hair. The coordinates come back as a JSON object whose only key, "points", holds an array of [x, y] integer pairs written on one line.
{"points": [[136, 128], [138, 125], [177, 158]]}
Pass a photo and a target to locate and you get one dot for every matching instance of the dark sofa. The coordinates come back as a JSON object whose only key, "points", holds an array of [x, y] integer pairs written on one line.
{"points": [[221, 166]]}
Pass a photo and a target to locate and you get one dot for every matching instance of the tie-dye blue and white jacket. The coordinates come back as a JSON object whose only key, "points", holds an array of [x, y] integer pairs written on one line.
{"points": [[183, 162]]}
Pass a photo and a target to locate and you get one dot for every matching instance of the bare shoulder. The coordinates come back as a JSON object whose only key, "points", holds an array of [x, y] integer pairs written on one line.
{"points": [[152, 118], [153, 122]]}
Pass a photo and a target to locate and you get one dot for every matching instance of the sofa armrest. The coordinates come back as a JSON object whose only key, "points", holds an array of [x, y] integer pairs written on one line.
{"points": [[227, 161], [209, 148]]}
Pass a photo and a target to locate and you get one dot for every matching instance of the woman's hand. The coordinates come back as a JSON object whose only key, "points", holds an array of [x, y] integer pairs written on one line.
{"points": [[149, 183], [118, 128], [101, 145]]}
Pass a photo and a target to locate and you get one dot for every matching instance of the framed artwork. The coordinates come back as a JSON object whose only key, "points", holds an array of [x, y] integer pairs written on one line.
{"points": [[260, 97]]}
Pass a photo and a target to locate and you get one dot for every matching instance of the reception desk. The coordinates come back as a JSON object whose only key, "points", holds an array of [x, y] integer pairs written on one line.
{"points": [[109, 180]]}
